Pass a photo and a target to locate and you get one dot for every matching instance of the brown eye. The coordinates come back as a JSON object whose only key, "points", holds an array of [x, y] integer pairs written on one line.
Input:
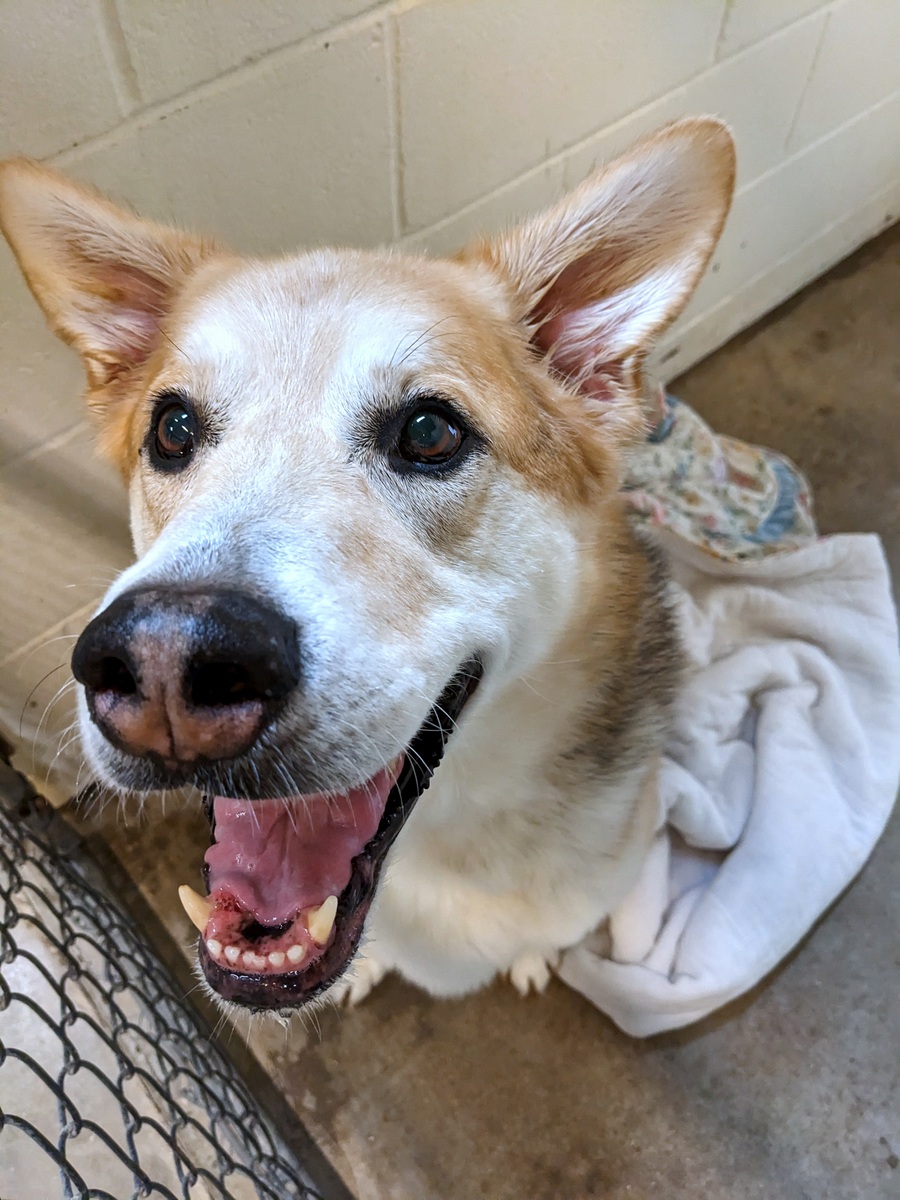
{"points": [[430, 437], [173, 433]]}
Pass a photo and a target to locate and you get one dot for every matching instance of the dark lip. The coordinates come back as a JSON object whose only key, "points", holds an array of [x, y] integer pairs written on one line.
{"points": [[424, 753]]}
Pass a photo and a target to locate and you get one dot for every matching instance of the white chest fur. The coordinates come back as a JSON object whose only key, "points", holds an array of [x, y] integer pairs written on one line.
{"points": [[506, 855]]}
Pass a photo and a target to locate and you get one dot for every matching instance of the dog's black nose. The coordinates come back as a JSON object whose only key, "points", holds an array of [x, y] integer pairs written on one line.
{"points": [[186, 675]]}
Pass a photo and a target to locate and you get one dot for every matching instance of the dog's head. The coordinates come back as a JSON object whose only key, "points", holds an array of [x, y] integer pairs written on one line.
{"points": [[360, 487]]}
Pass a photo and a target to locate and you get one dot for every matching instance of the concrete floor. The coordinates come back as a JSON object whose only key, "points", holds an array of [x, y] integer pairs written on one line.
{"points": [[792, 1093]]}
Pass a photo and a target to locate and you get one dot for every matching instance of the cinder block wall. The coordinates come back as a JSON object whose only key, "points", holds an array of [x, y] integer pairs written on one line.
{"points": [[282, 122]]}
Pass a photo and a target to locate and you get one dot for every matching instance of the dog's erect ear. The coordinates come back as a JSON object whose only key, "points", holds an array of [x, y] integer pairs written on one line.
{"points": [[104, 278], [596, 278]]}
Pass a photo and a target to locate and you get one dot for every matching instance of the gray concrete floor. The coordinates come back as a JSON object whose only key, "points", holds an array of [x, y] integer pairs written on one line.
{"points": [[791, 1093]]}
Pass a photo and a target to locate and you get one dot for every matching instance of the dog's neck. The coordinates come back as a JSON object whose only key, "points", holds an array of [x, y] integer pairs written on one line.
{"points": [[589, 710]]}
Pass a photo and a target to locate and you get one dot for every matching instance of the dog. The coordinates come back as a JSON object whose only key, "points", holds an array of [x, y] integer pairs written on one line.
{"points": [[388, 612]]}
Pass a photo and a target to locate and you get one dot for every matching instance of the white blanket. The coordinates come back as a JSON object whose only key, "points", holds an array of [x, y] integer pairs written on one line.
{"points": [[779, 778]]}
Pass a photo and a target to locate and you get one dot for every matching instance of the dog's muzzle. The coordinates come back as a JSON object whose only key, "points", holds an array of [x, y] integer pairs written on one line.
{"points": [[183, 677], [184, 682]]}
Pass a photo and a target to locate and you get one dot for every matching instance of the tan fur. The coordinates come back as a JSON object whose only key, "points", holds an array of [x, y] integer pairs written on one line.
{"points": [[539, 816], [82, 256]]}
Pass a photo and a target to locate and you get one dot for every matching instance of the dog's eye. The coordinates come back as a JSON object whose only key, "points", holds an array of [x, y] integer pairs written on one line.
{"points": [[430, 436], [173, 433]]}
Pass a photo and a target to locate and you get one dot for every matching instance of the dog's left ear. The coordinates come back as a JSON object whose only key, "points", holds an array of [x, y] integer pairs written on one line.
{"points": [[596, 278]]}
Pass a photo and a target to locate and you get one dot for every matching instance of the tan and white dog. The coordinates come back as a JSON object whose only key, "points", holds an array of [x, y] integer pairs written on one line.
{"points": [[375, 502]]}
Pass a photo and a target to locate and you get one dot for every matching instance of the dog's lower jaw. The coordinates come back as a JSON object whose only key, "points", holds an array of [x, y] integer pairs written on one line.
{"points": [[451, 934]]}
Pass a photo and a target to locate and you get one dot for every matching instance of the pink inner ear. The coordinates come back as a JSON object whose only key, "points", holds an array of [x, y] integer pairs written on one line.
{"points": [[128, 308], [581, 321], [576, 351]]}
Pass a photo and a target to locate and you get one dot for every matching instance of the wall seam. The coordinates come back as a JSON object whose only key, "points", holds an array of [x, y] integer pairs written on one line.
{"points": [[561, 156], [809, 147], [824, 7], [395, 126], [118, 57], [726, 9], [788, 137], [56, 441], [46, 635], [680, 334], [160, 109]]}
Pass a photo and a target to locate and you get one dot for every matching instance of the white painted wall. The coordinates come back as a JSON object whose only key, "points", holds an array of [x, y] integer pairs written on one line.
{"points": [[281, 122]]}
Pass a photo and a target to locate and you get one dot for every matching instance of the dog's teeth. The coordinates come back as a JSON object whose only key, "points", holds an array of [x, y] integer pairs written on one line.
{"points": [[276, 958], [255, 961], [214, 947], [296, 954], [320, 921], [232, 954], [196, 906]]}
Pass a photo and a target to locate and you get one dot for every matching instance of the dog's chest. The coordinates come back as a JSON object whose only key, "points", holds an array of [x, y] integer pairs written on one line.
{"points": [[507, 851]]}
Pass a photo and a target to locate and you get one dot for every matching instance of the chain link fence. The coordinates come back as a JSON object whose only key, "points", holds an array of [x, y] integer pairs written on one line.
{"points": [[110, 1084]]}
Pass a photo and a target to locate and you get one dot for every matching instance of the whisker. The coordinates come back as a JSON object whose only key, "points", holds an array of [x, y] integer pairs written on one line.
{"points": [[68, 686], [172, 342], [43, 679], [419, 340], [61, 637]]}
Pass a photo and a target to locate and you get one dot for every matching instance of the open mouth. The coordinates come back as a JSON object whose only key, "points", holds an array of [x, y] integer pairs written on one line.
{"points": [[291, 880]]}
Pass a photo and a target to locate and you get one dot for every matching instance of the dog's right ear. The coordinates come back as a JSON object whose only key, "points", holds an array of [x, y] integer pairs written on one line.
{"points": [[105, 279]]}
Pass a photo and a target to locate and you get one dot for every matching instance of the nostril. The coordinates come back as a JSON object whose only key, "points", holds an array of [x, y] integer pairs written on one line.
{"points": [[215, 684], [111, 674]]}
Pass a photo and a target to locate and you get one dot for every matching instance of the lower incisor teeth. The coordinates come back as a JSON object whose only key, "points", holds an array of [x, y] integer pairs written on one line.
{"points": [[232, 953], [276, 958], [214, 947], [320, 921], [296, 954]]}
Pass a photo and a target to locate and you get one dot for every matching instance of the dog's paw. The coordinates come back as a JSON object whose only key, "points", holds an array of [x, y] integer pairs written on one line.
{"points": [[531, 972], [363, 975]]}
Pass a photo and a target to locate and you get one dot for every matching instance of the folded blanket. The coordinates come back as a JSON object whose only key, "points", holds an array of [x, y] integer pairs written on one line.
{"points": [[779, 776]]}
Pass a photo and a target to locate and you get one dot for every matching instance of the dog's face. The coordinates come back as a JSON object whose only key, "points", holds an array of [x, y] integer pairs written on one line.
{"points": [[360, 445], [361, 487]]}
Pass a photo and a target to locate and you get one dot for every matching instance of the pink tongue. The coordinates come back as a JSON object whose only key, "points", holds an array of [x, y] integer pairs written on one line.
{"points": [[275, 857]]}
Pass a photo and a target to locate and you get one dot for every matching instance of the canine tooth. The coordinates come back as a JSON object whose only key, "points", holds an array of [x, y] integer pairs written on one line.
{"points": [[196, 906], [320, 921], [214, 947], [276, 958], [232, 954], [296, 954]]}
